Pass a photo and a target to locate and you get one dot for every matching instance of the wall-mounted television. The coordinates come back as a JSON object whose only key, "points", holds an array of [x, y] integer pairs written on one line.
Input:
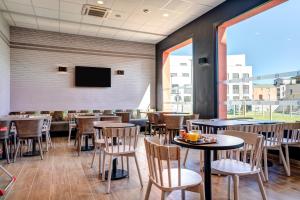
{"points": [[92, 76]]}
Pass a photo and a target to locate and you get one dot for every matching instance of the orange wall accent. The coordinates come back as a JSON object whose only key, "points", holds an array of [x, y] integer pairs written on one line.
{"points": [[222, 52]]}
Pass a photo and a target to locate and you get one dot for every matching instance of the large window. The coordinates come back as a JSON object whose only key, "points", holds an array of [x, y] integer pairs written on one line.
{"points": [[177, 78], [259, 65]]}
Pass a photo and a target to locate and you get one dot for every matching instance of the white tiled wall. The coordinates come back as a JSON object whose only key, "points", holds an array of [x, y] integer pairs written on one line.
{"points": [[36, 85], [4, 68]]}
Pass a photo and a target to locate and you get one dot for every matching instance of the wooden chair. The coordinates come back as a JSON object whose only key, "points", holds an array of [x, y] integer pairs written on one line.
{"points": [[29, 129], [85, 127], [292, 138], [108, 112], [4, 136], [241, 162], [46, 131], [84, 111], [156, 125], [99, 141], [125, 116], [126, 143], [173, 125], [273, 134], [72, 124], [165, 171], [111, 118]]}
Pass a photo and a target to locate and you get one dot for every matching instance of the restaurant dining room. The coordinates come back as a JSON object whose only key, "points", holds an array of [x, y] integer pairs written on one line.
{"points": [[149, 99]]}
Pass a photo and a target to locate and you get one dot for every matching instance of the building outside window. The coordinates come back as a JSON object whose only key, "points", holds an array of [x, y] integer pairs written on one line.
{"points": [[185, 74], [246, 89], [235, 76], [236, 89]]}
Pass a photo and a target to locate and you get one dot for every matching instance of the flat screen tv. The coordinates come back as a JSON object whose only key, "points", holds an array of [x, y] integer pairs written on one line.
{"points": [[92, 76]]}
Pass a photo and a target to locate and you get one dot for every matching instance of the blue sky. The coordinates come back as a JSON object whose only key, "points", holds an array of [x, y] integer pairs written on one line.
{"points": [[270, 40]]}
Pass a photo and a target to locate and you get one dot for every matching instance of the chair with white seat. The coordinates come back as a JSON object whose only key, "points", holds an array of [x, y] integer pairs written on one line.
{"points": [[273, 134], [241, 162], [125, 146], [99, 140], [292, 138], [165, 171]]}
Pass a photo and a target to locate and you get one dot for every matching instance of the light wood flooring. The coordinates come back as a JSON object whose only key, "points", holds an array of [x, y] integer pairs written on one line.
{"points": [[64, 175]]}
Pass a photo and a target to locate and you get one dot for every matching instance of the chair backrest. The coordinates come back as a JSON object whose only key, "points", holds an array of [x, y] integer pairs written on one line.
{"points": [[162, 157], [190, 126], [111, 118], [125, 116], [292, 132], [29, 128], [71, 111], [47, 124], [273, 133], [126, 139], [96, 111], [85, 125], [45, 112], [4, 129], [119, 110], [173, 121], [190, 117], [251, 151], [108, 112]]}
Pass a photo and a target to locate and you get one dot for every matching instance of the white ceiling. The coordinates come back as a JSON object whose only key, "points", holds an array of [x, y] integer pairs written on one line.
{"points": [[133, 25]]}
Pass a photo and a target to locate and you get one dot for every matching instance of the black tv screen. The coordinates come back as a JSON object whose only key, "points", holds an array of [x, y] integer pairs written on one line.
{"points": [[92, 76]]}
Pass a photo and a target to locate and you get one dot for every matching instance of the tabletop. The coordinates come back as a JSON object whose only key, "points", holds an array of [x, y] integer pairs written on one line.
{"points": [[224, 142], [102, 124], [22, 117], [230, 122]]}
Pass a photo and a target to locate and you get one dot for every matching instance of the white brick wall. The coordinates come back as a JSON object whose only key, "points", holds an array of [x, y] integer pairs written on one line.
{"points": [[36, 85], [4, 68]]}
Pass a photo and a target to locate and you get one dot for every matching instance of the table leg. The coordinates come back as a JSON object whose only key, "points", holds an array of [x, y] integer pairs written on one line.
{"points": [[33, 152], [86, 145], [207, 174]]}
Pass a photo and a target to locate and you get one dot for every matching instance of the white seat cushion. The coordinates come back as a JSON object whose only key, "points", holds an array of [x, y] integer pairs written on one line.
{"points": [[189, 178], [228, 166]]}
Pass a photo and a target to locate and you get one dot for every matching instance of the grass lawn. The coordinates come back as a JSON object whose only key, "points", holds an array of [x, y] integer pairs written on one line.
{"points": [[266, 116]]}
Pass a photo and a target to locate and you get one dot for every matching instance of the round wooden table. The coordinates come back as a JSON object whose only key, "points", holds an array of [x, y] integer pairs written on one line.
{"points": [[116, 173], [224, 142]]}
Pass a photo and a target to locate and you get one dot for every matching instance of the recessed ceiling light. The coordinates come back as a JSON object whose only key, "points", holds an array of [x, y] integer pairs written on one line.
{"points": [[100, 2], [146, 10], [166, 15], [117, 15]]}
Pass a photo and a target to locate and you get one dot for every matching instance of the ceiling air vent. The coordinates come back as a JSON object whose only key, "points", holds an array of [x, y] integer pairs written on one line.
{"points": [[95, 11]]}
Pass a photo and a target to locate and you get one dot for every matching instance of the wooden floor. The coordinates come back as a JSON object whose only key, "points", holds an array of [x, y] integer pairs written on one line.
{"points": [[64, 175]]}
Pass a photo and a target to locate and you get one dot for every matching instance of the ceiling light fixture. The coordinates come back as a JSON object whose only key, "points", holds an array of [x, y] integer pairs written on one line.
{"points": [[100, 2], [166, 15], [146, 10], [117, 15]]}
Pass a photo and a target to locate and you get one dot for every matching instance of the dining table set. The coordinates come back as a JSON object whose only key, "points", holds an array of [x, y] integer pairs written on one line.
{"points": [[9, 134]]}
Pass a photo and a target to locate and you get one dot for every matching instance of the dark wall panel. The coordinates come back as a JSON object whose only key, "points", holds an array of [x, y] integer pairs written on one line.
{"points": [[203, 32]]}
